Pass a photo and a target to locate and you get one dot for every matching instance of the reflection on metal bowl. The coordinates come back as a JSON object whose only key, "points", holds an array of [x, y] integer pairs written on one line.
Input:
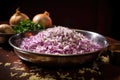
{"points": [[66, 59]]}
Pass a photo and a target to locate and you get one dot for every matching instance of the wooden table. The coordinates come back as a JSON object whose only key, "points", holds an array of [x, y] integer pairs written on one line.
{"points": [[13, 68]]}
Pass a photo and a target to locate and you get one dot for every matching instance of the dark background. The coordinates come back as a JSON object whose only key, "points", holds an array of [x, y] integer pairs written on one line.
{"points": [[94, 15]]}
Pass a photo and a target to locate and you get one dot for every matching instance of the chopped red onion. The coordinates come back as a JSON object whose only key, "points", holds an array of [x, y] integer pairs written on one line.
{"points": [[59, 40]]}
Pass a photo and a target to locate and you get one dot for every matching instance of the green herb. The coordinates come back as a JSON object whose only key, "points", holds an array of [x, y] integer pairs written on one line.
{"points": [[27, 25]]}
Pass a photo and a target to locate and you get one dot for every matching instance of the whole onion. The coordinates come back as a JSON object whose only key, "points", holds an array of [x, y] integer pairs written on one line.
{"points": [[6, 28], [43, 18], [17, 17]]}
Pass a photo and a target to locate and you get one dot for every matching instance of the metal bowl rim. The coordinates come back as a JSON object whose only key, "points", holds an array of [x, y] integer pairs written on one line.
{"points": [[62, 55]]}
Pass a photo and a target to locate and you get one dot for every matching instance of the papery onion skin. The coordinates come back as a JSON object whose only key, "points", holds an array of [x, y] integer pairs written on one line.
{"points": [[17, 17], [43, 18]]}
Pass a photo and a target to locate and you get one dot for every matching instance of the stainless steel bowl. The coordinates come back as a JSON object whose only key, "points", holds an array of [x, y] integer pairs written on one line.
{"points": [[50, 59]]}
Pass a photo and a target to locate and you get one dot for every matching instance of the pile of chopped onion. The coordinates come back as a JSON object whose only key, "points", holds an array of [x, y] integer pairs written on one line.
{"points": [[59, 40]]}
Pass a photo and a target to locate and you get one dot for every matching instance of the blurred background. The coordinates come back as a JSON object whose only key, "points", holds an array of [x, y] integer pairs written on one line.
{"points": [[94, 15]]}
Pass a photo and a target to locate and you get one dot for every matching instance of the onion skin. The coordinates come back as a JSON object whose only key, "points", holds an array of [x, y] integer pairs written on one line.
{"points": [[17, 17], [6, 28], [43, 18]]}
